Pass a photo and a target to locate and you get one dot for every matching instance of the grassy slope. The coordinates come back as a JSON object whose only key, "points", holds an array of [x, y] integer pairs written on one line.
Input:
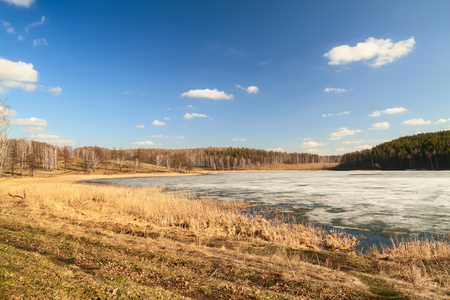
{"points": [[72, 241]]}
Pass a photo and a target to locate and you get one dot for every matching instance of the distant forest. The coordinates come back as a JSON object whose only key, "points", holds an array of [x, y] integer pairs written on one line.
{"points": [[31, 155], [427, 151], [214, 158]]}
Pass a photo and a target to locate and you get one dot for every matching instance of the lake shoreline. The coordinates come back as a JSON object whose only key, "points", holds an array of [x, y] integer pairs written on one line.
{"points": [[323, 202], [60, 237]]}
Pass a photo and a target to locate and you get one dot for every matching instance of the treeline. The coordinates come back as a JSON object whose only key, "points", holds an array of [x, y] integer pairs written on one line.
{"points": [[214, 158], [29, 155], [430, 151]]}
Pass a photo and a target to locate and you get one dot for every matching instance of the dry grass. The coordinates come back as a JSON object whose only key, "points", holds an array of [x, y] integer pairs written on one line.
{"points": [[138, 209], [418, 260], [145, 242]]}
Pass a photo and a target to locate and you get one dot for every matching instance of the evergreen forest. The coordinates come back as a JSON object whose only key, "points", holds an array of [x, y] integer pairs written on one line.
{"points": [[424, 151]]}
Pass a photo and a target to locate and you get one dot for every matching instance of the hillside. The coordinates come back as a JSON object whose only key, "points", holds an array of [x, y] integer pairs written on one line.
{"points": [[425, 151]]}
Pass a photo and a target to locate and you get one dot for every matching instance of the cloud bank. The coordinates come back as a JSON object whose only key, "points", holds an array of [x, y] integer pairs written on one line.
{"points": [[158, 123], [416, 122], [53, 139], [20, 3], [311, 144], [389, 111], [381, 125], [342, 132], [194, 115], [377, 52], [29, 122], [207, 93], [17, 75], [144, 143]]}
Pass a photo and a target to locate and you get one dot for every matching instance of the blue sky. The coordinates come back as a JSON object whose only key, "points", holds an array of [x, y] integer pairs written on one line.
{"points": [[323, 77]]}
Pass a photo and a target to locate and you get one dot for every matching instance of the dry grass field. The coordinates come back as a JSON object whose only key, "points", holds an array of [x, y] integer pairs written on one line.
{"points": [[62, 239]]}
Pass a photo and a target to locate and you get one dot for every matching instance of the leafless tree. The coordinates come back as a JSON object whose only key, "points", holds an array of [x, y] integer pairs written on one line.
{"points": [[4, 134], [66, 155]]}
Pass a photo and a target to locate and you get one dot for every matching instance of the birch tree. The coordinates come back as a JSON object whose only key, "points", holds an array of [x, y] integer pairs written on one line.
{"points": [[4, 134]]}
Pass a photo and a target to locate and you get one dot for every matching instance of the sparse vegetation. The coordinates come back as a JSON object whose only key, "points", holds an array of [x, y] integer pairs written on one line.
{"points": [[63, 239]]}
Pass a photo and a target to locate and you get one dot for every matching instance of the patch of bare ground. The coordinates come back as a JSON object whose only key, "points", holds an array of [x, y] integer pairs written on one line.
{"points": [[64, 240]]}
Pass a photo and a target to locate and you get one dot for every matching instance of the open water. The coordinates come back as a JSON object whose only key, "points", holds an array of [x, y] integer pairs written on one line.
{"points": [[377, 203]]}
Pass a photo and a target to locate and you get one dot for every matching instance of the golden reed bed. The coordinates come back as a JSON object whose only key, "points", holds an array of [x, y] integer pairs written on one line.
{"points": [[67, 206]]}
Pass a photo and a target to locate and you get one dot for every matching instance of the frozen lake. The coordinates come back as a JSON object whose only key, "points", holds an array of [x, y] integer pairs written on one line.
{"points": [[382, 203]]}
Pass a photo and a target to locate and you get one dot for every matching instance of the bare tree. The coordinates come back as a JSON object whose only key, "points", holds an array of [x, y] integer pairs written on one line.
{"points": [[94, 158], [4, 134], [13, 155], [66, 155], [159, 158]]}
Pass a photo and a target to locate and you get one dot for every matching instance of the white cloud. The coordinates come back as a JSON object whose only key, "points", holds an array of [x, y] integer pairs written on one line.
{"points": [[167, 119], [55, 90], [157, 136], [307, 139], [29, 122], [190, 106], [53, 139], [343, 131], [29, 87], [17, 71], [311, 144], [33, 129], [194, 115], [7, 112], [352, 142], [140, 126], [334, 90], [276, 150], [336, 115], [251, 89], [442, 121], [358, 148], [377, 51], [238, 139], [179, 137], [40, 42], [416, 122], [158, 123], [9, 28], [144, 143], [46, 136], [381, 125], [23, 3], [207, 93], [35, 24], [318, 151], [389, 111]]}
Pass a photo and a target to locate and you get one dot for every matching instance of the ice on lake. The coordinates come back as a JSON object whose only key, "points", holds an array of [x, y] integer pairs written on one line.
{"points": [[378, 202]]}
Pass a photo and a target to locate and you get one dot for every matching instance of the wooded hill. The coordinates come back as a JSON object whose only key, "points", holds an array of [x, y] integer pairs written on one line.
{"points": [[425, 151]]}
